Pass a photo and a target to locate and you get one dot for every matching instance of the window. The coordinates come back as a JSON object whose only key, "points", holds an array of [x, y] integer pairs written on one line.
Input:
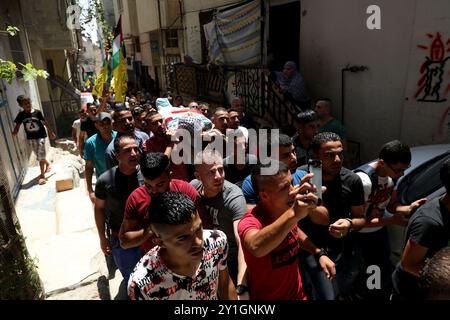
{"points": [[172, 38], [16, 49]]}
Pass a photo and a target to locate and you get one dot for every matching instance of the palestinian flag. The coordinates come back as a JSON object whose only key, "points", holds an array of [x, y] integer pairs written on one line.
{"points": [[119, 81], [104, 76]]}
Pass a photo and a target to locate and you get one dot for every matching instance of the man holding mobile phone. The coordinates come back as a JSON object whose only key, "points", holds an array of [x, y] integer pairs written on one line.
{"points": [[343, 202]]}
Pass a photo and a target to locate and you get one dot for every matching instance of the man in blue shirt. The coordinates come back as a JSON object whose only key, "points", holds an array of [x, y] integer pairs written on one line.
{"points": [[95, 148], [286, 154]]}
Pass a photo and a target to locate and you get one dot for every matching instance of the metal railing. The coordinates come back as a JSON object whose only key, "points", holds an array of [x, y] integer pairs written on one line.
{"points": [[258, 92]]}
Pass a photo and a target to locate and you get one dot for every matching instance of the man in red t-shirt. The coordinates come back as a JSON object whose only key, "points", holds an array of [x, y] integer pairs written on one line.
{"points": [[135, 230], [271, 238]]}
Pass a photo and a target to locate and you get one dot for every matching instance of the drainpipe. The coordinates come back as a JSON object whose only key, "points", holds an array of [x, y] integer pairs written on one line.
{"points": [[161, 46], [353, 69]]}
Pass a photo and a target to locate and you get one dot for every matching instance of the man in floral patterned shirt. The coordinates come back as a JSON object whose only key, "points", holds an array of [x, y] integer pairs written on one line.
{"points": [[188, 263]]}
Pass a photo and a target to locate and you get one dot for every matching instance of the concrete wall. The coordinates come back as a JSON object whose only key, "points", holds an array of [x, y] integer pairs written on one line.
{"points": [[147, 11], [428, 121], [379, 102]]}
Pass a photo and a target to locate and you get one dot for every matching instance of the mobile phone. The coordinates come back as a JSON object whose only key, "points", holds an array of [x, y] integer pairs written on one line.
{"points": [[315, 166]]}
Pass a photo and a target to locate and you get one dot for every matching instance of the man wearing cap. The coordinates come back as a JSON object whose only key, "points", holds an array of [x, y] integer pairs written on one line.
{"points": [[292, 85], [95, 148]]}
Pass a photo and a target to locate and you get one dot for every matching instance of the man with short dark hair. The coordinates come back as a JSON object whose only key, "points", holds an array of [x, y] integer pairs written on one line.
{"points": [[87, 127], [224, 202], [344, 205], [124, 124], [286, 154], [34, 125], [112, 190], [135, 229], [179, 102], [204, 108], [188, 263], [245, 117], [327, 122], [239, 163], [161, 141], [271, 238], [306, 123], [428, 231], [234, 123], [434, 277], [372, 241], [220, 120]]}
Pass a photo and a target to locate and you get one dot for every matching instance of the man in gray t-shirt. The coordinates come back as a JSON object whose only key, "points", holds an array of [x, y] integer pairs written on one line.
{"points": [[225, 202], [111, 191]]}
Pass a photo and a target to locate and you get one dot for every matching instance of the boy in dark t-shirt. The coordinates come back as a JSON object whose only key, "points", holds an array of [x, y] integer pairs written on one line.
{"points": [[33, 123]]}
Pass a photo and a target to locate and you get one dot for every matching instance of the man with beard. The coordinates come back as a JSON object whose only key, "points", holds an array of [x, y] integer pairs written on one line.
{"points": [[161, 142], [112, 191], [124, 125]]}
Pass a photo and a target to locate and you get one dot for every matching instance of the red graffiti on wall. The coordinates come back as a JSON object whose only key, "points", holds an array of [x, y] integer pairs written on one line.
{"points": [[431, 85]]}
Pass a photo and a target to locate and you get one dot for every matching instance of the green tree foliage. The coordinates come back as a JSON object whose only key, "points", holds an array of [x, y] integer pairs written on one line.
{"points": [[8, 69]]}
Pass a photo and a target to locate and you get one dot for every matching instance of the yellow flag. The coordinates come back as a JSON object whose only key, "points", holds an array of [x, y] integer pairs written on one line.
{"points": [[101, 80], [119, 81]]}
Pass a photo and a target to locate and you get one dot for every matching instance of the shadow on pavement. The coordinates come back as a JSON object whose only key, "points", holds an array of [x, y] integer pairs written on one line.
{"points": [[122, 293], [103, 288]]}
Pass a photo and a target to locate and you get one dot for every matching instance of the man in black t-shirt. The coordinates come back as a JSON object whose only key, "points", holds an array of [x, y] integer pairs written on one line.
{"points": [[111, 191], [343, 202], [238, 165], [33, 123], [428, 231], [87, 127]]}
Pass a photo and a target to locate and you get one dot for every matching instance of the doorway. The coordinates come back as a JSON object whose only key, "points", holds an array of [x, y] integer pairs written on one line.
{"points": [[284, 33]]}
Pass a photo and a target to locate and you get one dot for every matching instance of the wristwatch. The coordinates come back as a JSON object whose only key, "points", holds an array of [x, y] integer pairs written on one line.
{"points": [[350, 229], [241, 289]]}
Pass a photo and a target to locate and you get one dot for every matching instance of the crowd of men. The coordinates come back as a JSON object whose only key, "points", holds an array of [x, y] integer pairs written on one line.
{"points": [[225, 226]]}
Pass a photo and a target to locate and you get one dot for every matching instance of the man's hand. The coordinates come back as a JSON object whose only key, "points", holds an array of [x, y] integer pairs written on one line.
{"points": [[415, 205], [52, 136], [244, 296], [339, 229], [328, 267], [376, 213], [105, 246], [304, 202], [92, 196]]}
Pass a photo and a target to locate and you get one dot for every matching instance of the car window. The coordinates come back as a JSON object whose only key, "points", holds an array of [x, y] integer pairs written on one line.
{"points": [[422, 181]]}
